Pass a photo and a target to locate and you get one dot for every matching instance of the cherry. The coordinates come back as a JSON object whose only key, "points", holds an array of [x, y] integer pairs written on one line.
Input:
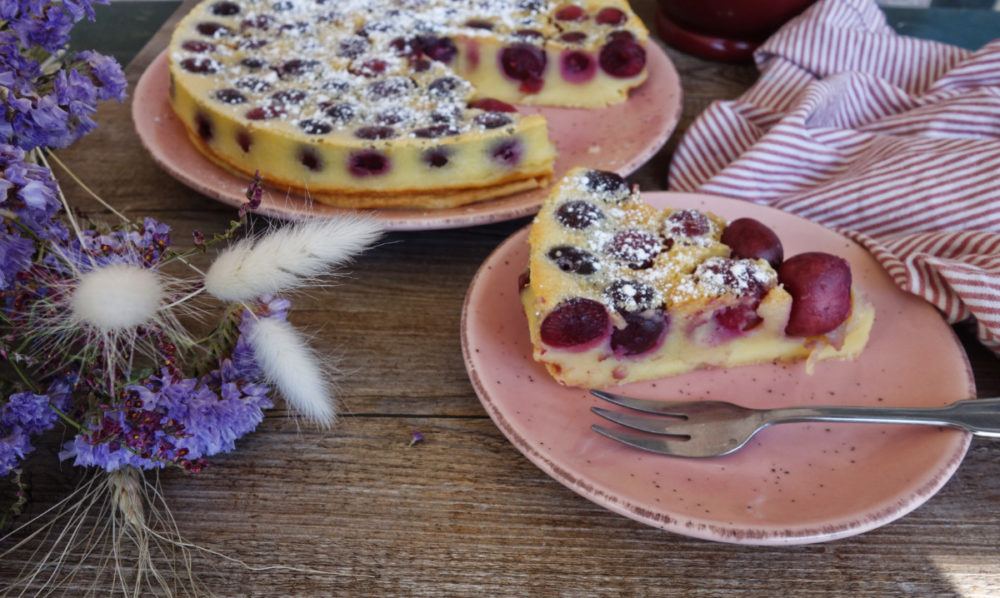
{"points": [[244, 140], [212, 29], [444, 86], [743, 278], [750, 239], [352, 47], [283, 5], [575, 323], [265, 112], [434, 131], [294, 29], [492, 105], [369, 68], [820, 286], [230, 96], [315, 127], [578, 214], [479, 24], [570, 12], [296, 66], [622, 58], [262, 22], [573, 37], [577, 67], [289, 96], [573, 260], [341, 112], [740, 317], [225, 9], [437, 157], [610, 16], [253, 43], [335, 86], [612, 187], [522, 62], [507, 153], [204, 126], [198, 46], [642, 333], [253, 84], [200, 65], [310, 159], [368, 163], [529, 34], [375, 132], [389, 87], [492, 120], [441, 49], [635, 247], [687, 223], [627, 296], [253, 63]]}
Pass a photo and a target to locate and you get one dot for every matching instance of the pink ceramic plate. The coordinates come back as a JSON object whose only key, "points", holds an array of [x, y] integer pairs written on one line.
{"points": [[794, 483], [620, 138]]}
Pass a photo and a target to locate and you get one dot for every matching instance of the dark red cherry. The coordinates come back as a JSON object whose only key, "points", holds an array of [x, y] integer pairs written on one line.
{"points": [[573, 37], [577, 67], [289, 96], [293, 29], [492, 120], [608, 186], [375, 132], [742, 278], [570, 12], [296, 67], [203, 125], [686, 224], [244, 140], [637, 248], [437, 157], [479, 24], [573, 260], [368, 163], [621, 36], [225, 9], [253, 43], [642, 333], [310, 159], [441, 49], [389, 87], [352, 47], [315, 127], [200, 65], [392, 116], [529, 34], [749, 238], [610, 16], [507, 152], [523, 62], [262, 22], [492, 105], [341, 112], [212, 29], [369, 68], [739, 317], [194, 45], [444, 86], [253, 84], [575, 323], [253, 63], [578, 214], [283, 5], [627, 296], [265, 112], [435, 131], [230, 96], [820, 286], [622, 58]]}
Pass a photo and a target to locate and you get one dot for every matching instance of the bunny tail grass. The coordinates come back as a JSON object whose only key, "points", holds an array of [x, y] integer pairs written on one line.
{"points": [[289, 364], [288, 257]]}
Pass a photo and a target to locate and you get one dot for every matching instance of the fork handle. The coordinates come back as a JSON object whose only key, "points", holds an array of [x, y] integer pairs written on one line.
{"points": [[981, 417]]}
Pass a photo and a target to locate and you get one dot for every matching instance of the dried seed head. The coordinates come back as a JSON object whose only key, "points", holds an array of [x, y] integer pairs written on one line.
{"points": [[117, 297]]}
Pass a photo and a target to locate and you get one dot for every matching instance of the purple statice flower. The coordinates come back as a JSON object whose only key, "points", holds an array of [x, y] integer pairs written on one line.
{"points": [[26, 414], [46, 25], [108, 73], [172, 419]]}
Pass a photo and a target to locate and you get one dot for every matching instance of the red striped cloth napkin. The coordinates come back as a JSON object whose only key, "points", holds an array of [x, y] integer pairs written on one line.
{"points": [[892, 140]]}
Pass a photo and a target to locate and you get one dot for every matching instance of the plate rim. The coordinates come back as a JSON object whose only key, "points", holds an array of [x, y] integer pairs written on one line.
{"points": [[914, 497], [146, 120]]}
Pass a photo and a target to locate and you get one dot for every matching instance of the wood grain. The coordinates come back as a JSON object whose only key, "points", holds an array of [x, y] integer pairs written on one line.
{"points": [[463, 513]]}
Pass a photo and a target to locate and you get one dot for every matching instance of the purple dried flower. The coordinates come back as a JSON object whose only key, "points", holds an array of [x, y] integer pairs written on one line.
{"points": [[416, 438]]}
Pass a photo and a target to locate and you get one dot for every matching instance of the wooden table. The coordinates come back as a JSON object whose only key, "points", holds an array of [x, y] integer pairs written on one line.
{"points": [[463, 513]]}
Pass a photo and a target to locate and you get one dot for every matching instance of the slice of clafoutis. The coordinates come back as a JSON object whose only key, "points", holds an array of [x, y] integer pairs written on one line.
{"points": [[618, 291]]}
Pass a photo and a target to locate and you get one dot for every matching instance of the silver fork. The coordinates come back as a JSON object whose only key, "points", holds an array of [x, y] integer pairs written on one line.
{"points": [[715, 428]]}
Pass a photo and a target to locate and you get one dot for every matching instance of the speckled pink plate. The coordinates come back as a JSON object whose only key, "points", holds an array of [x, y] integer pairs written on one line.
{"points": [[620, 138], [794, 483]]}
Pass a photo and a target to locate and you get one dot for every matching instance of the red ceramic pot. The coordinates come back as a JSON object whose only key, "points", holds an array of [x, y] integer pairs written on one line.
{"points": [[723, 29]]}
